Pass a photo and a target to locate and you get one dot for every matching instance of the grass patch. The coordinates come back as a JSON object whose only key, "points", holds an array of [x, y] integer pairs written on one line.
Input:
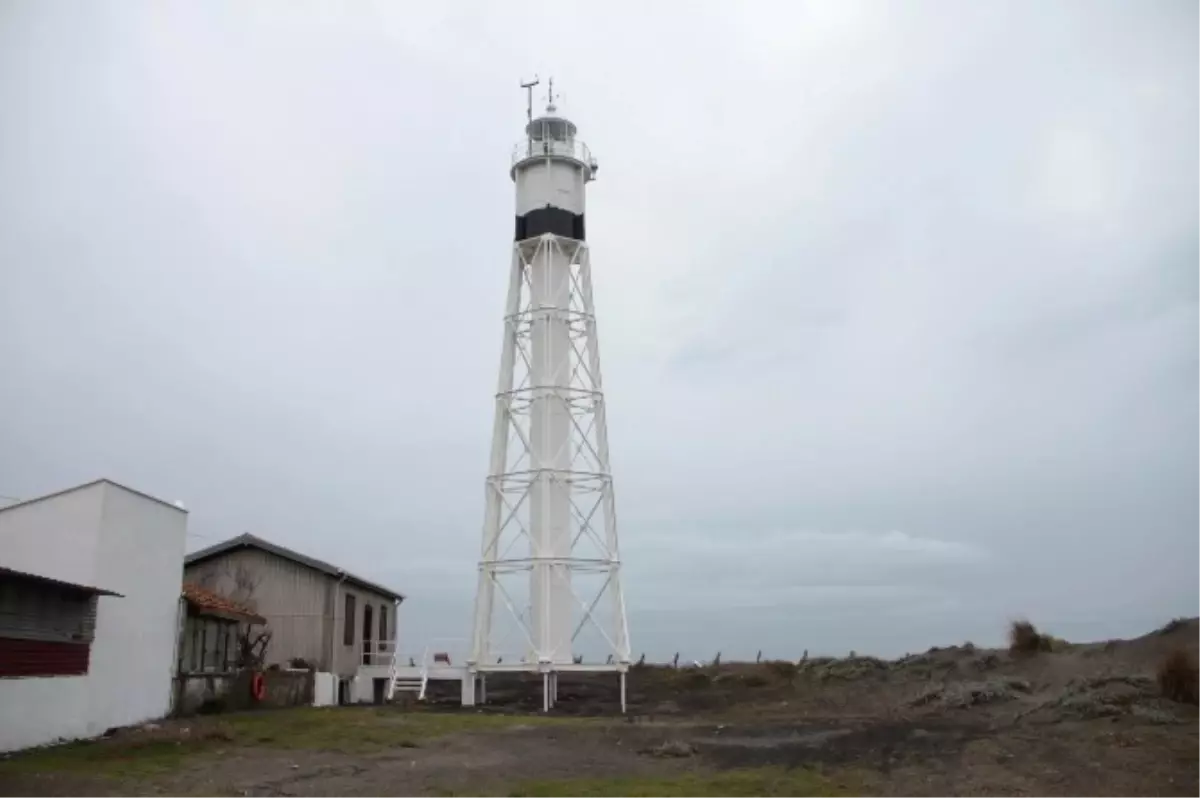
{"points": [[108, 758], [685, 678], [749, 781], [365, 730], [137, 753]]}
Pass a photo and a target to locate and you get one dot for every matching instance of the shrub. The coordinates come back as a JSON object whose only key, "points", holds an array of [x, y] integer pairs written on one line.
{"points": [[1024, 638], [1177, 677], [1173, 625]]}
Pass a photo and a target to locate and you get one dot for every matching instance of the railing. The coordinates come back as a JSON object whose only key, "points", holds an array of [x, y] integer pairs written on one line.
{"points": [[455, 648], [540, 148], [515, 656], [452, 647], [377, 652], [386, 653]]}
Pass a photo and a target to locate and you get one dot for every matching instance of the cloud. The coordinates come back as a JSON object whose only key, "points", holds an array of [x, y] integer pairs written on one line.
{"points": [[796, 568], [857, 269]]}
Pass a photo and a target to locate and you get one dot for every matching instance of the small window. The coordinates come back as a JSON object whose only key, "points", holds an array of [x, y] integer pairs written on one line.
{"points": [[348, 622], [383, 627], [197, 645]]}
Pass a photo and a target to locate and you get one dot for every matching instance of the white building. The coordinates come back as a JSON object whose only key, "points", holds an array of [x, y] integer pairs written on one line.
{"points": [[90, 580]]}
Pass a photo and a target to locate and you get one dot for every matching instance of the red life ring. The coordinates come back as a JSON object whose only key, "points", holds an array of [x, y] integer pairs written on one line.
{"points": [[258, 687]]}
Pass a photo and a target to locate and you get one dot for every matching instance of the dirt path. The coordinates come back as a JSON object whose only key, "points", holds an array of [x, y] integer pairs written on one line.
{"points": [[932, 756]]}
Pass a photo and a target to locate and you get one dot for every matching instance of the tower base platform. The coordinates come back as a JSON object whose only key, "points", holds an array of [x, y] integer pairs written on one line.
{"points": [[549, 677]]}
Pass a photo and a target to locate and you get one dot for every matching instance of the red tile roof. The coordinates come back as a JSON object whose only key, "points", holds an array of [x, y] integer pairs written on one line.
{"points": [[207, 602]]}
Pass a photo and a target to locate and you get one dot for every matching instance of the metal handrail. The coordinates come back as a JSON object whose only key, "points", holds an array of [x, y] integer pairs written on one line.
{"points": [[376, 650], [538, 148], [437, 645], [429, 649]]}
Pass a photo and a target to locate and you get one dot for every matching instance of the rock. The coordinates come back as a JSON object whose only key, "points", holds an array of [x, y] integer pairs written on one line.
{"points": [[1142, 684], [847, 669], [667, 708], [676, 749], [970, 694], [1153, 715], [1106, 697], [1088, 706]]}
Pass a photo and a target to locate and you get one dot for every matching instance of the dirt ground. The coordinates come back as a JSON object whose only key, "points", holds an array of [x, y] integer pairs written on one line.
{"points": [[1079, 719]]}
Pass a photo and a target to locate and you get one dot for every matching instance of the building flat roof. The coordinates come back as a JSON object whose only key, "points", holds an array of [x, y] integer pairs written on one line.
{"points": [[248, 541], [24, 502]]}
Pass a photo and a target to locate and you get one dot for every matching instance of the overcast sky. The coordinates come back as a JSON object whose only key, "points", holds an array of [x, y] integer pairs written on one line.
{"points": [[898, 302]]}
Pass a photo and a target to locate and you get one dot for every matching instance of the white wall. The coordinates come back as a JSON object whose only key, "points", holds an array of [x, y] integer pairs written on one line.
{"points": [[347, 659], [104, 536], [55, 537], [560, 183], [38, 711], [140, 554]]}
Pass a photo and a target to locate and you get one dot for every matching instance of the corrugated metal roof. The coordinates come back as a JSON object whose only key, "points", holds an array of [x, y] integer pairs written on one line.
{"points": [[99, 591], [254, 542]]}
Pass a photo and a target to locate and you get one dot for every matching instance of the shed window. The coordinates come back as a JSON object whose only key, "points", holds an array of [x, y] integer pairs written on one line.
{"points": [[45, 629], [348, 621], [383, 627], [210, 644], [30, 610]]}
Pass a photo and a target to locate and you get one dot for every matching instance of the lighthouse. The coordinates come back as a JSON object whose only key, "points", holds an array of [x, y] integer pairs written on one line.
{"points": [[549, 568]]}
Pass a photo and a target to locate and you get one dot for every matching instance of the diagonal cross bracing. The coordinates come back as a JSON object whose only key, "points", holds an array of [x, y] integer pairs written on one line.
{"points": [[549, 452]]}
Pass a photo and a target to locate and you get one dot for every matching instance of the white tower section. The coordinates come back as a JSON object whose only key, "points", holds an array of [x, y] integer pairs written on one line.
{"points": [[549, 596]]}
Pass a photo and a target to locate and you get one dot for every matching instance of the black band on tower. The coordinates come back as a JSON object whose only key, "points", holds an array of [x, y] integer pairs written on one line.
{"points": [[551, 220]]}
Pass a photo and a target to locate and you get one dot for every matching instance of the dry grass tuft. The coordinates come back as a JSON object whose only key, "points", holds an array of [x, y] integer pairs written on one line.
{"points": [[1024, 638], [782, 669], [1178, 677]]}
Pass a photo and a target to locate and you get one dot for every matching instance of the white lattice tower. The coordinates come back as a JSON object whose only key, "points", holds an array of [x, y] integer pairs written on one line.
{"points": [[549, 562]]}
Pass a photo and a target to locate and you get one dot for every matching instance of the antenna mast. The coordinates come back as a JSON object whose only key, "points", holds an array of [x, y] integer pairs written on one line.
{"points": [[528, 87]]}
